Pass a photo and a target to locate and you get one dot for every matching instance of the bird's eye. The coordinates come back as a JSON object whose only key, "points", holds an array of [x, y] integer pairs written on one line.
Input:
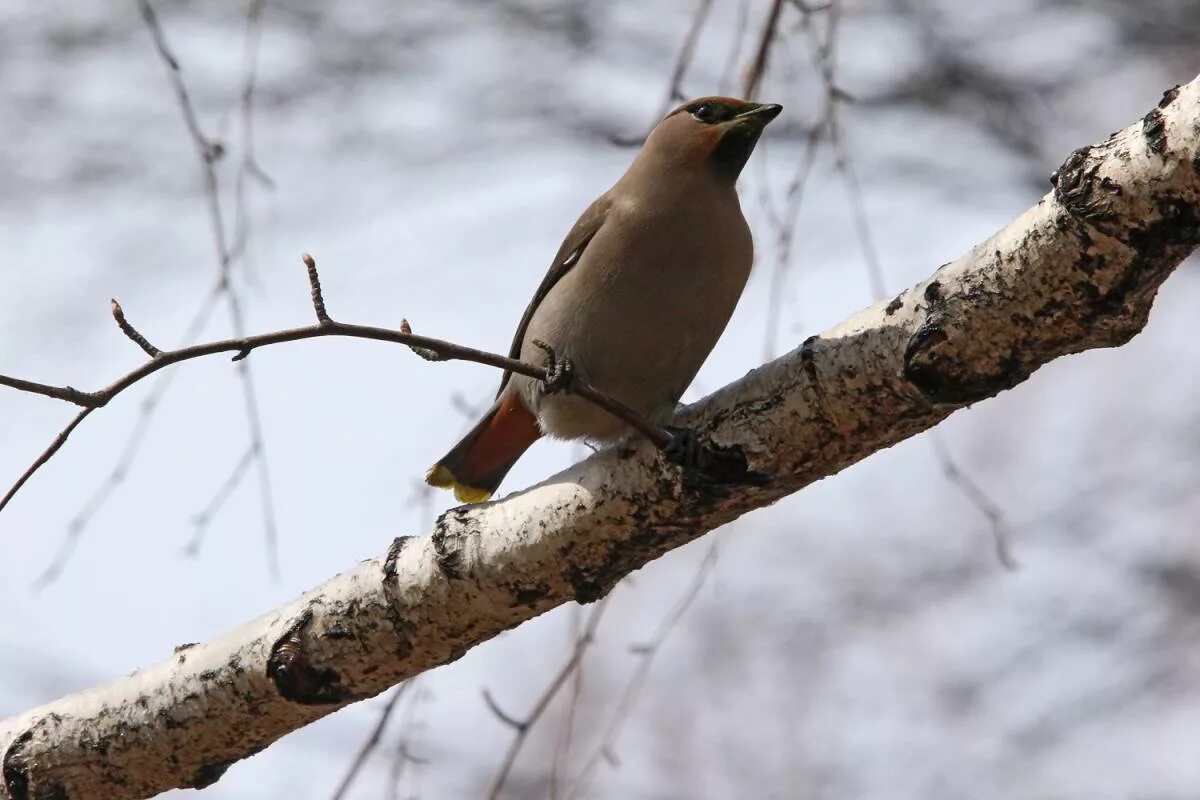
{"points": [[706, 113]]}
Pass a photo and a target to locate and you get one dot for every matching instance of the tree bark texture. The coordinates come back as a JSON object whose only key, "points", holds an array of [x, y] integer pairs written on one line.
{"points": [[1078, 270]]}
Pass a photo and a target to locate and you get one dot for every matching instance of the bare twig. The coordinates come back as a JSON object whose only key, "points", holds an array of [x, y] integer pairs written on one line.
{"points": [[46, 454], [243, 346], [647, 653], [983, 503], [372, 741], [762, 53], [683, 61], [403, 756], [202, 520], [211, 151], [786, 222], [248, 166], [562, 746], [208, 152], [675, 86], [521, 727], [735, 51]]}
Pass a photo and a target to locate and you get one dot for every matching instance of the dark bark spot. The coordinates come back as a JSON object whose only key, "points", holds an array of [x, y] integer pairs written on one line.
{"points": [[895, 305], [587, 588], [1178, 225], [1110, 186], [448, 547], [1169, 96], [208, 774], [1064, 178], [296, 678], [933, 293], [393, 554], [209, 675], [594, 581], [531, 595], [808, 360], [943, 378], [15, 770], [1075, 187], [1154, 128]]}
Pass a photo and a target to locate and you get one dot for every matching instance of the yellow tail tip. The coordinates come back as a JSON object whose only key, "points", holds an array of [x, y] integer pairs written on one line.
{"points": [[443, 478]]}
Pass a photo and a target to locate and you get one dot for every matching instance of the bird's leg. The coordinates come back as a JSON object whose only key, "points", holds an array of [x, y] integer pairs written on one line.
{"points": [[560, 372]]}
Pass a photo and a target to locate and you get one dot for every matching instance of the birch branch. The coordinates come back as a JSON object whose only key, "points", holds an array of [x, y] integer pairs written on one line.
{"points": [[1079, 270]]}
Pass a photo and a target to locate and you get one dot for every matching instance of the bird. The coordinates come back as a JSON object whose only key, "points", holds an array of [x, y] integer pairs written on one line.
{"points": [[635, 299]]}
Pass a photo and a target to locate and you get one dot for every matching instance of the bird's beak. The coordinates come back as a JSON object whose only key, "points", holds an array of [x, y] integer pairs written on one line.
{"points": [[758, 114]]}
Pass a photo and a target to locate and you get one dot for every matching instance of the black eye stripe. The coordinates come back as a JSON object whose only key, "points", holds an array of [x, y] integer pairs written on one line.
{"points": [[708, 113]]}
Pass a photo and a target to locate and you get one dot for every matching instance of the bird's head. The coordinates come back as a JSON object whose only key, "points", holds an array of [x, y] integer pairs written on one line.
{"points": [[718, 133]]}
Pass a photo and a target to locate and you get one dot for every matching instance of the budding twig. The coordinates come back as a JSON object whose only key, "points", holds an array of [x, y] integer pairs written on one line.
{"points": [[423, 352], [132, 332], [314, 281]]}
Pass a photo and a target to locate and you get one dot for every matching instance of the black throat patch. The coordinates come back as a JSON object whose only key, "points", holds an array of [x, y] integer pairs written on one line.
{"points": [[733, 151]]}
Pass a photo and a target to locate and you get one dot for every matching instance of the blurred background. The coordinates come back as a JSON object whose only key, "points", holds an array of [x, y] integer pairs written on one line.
{"points": [[860, 639]]}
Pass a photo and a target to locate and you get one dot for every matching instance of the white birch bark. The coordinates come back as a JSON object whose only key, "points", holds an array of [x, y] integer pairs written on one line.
{"points": [[1078, 270]]}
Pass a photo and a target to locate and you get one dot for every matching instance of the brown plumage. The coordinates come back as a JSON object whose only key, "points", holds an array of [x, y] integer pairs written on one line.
{"points": [[637, 296]]}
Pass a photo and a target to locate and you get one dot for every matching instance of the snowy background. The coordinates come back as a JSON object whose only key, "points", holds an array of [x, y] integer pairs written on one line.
{"points": [[858, 640]]}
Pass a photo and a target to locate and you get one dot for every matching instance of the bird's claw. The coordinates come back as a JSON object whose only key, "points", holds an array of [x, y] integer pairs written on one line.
{"points": [[708, 463], [684, 449], [560, 372]]}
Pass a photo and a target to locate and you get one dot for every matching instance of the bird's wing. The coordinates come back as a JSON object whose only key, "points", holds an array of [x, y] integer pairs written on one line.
{"points": [[567, 257]]}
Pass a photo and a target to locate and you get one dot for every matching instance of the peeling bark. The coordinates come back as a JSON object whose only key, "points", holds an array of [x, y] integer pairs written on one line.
{"points": [[1079, 270]]}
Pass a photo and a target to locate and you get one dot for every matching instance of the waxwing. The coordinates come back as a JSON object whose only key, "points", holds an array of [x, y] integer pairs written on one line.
{"points": [[636, 297]]}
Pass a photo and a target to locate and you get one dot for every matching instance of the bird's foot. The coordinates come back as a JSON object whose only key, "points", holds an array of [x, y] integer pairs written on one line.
{"points": [[560, 372], [706, 463], [684, 449]]}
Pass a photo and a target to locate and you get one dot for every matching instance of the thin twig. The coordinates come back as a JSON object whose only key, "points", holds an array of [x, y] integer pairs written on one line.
{"points": [[762, 53], [675, 86], [735, 52], [684, 59], [119, 471], [45, 456], [521, 727], [403, 756], [132, 332], [983, 503], [647, 653], [243, 346], [208, 152], [562, 747], [202, 520], [372, 741], [248, 166]]}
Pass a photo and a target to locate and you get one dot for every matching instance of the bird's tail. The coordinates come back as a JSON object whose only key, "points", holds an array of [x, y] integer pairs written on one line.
{"points": [[477, 464]]}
